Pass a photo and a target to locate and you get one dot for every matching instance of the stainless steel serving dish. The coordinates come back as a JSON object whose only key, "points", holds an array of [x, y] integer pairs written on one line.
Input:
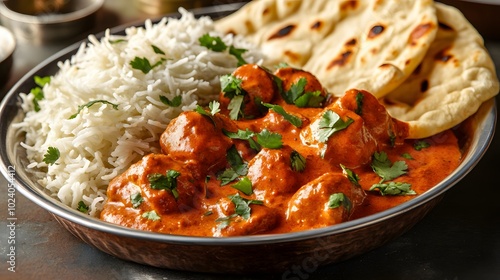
{"points": [[245, 254]]}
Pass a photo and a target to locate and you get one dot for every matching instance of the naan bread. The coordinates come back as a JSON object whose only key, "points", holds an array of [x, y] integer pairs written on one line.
{"points": [[456, 76], [370, 45]]}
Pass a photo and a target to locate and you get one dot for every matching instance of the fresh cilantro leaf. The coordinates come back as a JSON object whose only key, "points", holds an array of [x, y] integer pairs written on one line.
{"points": [[157, 50], [330, 123], [385, 168], [224, 222], [407, 156], [42, 81], [214, 107], [235, 107], [165, 182], [231, 86], [281, 65], [238, 53], [151, 215], [297, 161], [52, 155], [175, 102], [296, 121], [243, 205], [393, 188], [310, 99], [421, 144], [353, 177], [296, 90], [143, 64], [237, 167], [339, 199], [213, 43], [136, 199], [269, 139], [38, 91], [90, 103], [244, 185], [82, 207], [359, 103], [112, 42]]}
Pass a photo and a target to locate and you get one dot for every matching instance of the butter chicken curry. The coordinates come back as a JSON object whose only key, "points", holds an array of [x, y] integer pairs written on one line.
{"points": [[277, 154]]}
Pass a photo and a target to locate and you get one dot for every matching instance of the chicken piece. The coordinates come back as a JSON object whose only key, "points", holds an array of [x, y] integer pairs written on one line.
{"points": [[291, 76], [272, 175], [145, 187], [351, 146], [258, 85], [377, 120], [198, 139], [328, 200], [261, 219]]}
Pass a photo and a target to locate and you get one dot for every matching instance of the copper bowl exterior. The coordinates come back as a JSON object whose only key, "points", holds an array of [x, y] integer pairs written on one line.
{"points": [[245, 254]]}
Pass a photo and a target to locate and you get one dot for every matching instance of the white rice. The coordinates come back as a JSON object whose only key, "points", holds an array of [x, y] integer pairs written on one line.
{"points": [[101, 142]]}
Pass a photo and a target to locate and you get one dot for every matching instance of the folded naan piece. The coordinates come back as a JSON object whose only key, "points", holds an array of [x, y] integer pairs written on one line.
{"points": [[456, 76], [370, 45]]}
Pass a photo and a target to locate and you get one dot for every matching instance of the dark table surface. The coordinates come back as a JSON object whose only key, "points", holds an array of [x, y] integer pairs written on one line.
{"points": [[459, 239]]}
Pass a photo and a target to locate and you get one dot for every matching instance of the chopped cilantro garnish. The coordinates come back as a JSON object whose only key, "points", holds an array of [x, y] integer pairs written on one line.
{"points": [[165, 182], [175, 102], [421, 144], [269, 139], [242, 209], [330, 123], [143, 64], [244, 185], [385, 168], [237, 167], [213, 43], [90, 103], [407, 156], [216, 44], [116, 41], [151, 215], [136, 199], [157, 50], [310, 99], [298, 96], [297, 161], [359, 103], [82, 207], [265, 138], [37, 91], [235, 107], [394, 188], [296, 121], [231, 87], [214, 109], [353, 177], [238, 53], [339, 199], [52, 155]]}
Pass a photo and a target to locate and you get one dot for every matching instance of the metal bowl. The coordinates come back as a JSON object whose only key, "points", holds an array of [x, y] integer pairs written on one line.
{"points": [[243, 254], [6, 54], [48, 20]]}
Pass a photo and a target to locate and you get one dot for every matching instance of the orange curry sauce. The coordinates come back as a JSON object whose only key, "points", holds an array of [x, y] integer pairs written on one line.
{"points": [[282, 198]]}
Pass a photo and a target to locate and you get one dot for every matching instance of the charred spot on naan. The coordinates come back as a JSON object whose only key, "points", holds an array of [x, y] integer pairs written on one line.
{"points": [[375, 31], [420, 31], [344, 56], [283, 32]]}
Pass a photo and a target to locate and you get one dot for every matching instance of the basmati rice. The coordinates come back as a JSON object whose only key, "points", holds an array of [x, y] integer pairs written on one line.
{"points": [[101, 142]]}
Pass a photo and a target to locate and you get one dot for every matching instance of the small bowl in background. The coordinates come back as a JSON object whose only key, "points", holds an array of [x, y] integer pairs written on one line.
{"points": [[7, 47], [48, 20]]}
